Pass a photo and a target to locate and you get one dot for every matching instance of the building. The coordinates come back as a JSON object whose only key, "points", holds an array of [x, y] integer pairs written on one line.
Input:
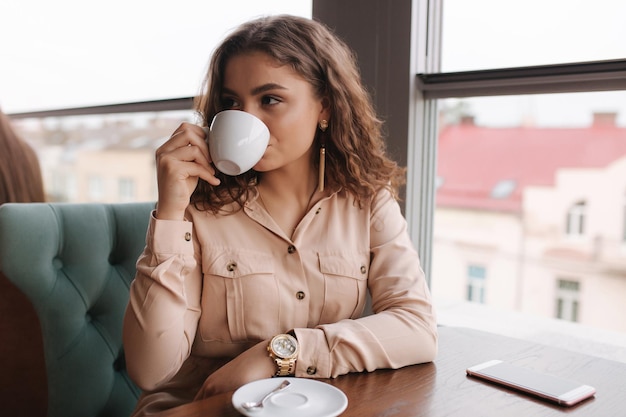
{"points": [[522, 224]]}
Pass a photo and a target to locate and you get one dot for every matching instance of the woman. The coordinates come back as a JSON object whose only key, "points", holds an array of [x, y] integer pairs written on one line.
{"points": [[22, 363], [289, 248], [20, 174]]}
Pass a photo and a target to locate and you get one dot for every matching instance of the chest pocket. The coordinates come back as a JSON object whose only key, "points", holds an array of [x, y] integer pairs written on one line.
{"points": [[345, 285], [240, 299]]}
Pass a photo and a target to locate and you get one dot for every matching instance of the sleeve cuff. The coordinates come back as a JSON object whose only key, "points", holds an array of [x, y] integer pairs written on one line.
{"points": [[314, 357], [170, 236]]}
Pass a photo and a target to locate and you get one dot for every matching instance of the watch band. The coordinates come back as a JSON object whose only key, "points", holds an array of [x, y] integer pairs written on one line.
{"points": [[286, 367]]}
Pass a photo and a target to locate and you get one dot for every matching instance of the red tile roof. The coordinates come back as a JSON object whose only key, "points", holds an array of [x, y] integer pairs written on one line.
{"points": [[473, 159]]}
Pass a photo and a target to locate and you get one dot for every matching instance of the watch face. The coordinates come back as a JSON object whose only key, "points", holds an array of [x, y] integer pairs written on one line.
{"points": [[284, 346]]}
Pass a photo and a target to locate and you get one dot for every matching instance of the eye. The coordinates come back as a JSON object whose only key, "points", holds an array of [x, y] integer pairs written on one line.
{"points": [[269, 100], [229, 103]]}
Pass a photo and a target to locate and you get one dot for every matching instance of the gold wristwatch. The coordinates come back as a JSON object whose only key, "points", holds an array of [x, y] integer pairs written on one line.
{"points": [[283, 348]]}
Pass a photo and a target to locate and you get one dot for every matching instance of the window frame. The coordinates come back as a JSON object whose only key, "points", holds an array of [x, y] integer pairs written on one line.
{"points": [[432, 85], [427, 86]]}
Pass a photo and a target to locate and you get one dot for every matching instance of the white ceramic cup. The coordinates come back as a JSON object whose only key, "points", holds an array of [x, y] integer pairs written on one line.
{"points": [[237, 141]]}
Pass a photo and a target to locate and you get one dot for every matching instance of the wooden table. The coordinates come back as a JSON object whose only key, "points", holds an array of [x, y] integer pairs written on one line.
{"points": [[442, 389]]}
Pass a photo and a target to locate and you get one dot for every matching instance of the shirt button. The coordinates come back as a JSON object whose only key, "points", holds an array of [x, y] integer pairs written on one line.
{"points": [[363, 269], [300, 295], [231, 266], [187, 236], [311, 370], [291, 249], [318, 210]]}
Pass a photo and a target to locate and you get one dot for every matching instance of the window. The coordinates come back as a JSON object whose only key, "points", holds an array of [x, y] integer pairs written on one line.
{"points": [[485, 34], [126, 189], [576, 219], [58, 187], [567, 299], [58, 63], [527, 137], [95, 188], [114, 53], [476, 283], [505, 128]]}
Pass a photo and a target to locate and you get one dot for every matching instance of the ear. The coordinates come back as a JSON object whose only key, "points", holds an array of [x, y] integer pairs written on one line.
{"points": [[325, 111]]}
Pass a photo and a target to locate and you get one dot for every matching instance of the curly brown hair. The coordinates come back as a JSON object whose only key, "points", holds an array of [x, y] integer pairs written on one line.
{"points": [[356, 158]]}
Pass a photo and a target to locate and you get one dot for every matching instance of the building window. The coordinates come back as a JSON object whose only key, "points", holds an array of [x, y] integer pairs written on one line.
{"points": [[576, 219], [567, 299], [476, 283], [126, 189], [71, 187], [95, 188]]}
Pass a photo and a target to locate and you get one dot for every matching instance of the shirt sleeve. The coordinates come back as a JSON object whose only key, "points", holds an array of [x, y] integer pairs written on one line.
{"points": [[402, 331], [164, 306]]}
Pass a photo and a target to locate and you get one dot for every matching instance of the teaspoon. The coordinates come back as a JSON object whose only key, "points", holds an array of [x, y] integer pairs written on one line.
{"points": [[253, 406]]}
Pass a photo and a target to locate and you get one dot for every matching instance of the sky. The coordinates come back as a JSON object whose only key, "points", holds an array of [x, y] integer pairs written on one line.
{"points": [[508, 33], [68, 53], [481, 34]]}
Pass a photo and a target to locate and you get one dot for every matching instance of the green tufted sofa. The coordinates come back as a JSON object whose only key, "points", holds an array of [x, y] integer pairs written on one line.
{"points": [[74, 263]]}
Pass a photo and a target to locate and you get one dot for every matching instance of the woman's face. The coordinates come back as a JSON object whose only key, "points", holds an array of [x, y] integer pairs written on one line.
{"points": [[282, 99]]}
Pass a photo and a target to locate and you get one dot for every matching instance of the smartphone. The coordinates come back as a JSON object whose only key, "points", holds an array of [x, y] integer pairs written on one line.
{"points": [[559, 390]]}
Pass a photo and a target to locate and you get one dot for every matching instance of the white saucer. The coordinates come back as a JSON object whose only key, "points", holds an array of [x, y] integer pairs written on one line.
{"points": [[303, 398]]}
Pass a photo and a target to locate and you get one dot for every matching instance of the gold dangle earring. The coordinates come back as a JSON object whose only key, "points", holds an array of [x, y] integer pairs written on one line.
{"points": [[323, 125]]}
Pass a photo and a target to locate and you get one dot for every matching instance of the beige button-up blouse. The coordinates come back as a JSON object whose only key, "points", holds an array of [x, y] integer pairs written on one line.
{"points": [[212, 286]]}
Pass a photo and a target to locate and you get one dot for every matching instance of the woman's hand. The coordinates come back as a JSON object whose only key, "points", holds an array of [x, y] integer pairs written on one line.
{"points": [[252, 365], [181, 161]]}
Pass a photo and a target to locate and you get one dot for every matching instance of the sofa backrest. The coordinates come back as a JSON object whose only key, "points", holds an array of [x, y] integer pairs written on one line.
{"points": [[75, 262]]}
